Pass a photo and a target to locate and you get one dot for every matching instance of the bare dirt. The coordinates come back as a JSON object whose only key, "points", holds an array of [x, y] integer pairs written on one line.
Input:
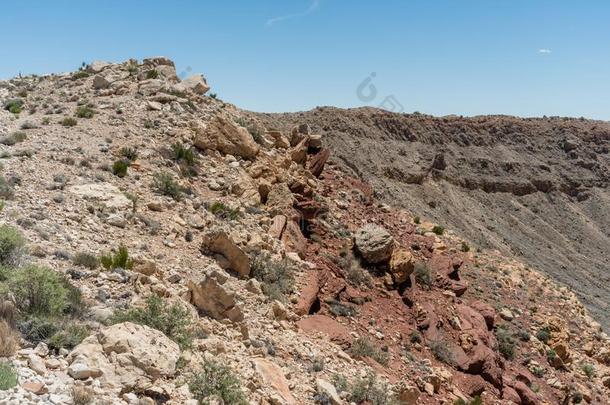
{"points": [[536, 188]]}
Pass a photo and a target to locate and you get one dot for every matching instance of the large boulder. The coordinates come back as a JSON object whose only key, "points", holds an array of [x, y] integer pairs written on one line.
{"points": [[212, 298], [374, 243], [124, 356], [219, 241], [293, 239], [223, 135], [195, 83], [273, 378], [401, 265]]}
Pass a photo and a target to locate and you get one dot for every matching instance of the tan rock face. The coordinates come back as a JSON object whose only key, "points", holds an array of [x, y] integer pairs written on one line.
{"points": [[273, 378], [209, 296], [293, 239], [224, 136], [401, 265], [103, 193], [218, 241]]}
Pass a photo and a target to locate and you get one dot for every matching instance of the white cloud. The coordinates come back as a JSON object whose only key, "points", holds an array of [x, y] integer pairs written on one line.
{"points": [[545, 51], [315, 4]]}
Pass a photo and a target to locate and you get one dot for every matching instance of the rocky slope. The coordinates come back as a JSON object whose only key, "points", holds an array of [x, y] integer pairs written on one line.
{"points": [[187, 253], [537, 189]]}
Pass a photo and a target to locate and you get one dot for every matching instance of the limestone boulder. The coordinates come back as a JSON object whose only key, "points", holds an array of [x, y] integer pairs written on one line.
{"points": [[211, 297], [225, 136], [374, 243], [219, 241]]}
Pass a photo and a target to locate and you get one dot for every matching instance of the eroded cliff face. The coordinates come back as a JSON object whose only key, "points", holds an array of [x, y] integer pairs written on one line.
{"points": [[534, 188]]}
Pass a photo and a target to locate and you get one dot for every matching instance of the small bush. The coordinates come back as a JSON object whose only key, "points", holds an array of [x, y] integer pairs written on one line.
{"points": [[12, 245], [440, 350], [276, 277], [362, 347], [174, 321], [465, 247], [8, 376], [119, 168], [589, 370], [369, 390], [85, 112], [129, 153], [506, 342], [28, 125], [338, 309], [86, 260], [82, 395], [14, 138], [14, 106], [9, 340], [417, 220], [39, 329], [439, 230], [6, 190], [182, 154], [40, 291], [118, 260], [423, 275], [544, 334], [213, 95], [164, 184], [152, 74], [221, 210], [216, 381], [68, 337], [68, 122]]}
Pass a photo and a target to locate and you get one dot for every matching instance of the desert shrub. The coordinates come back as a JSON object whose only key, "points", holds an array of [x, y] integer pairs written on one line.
{"points": [[85, 112], [28, 125], [369, 390], [339, 309], [257, 135], [152, 74], [423, 275], [118, 260], [354, 273], [14, 138], [544, 334], [6, 190], [221, 210], [174, 321], [441, 351], [216, 382], [39, 329], [165, 184], [9, 340], [317, 364], [417, 220], [81, 74], [415, 337], [439, 230], [40, 291], [14, 106], [82, 395], [474, 401], [340, 382], [276, 276], [465, 247], [12, 245], [119, 168], [8, 376], [68, 337], [86, 260], [68, 122], [182, 154], [506, 342], [362, 347], [589, 370], [129, 153]]}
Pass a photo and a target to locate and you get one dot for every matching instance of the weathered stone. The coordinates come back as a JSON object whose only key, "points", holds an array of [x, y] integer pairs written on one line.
{"points": [[209, 296], [374, 243], [223, 135], [103, 193], [318, 161], [218, 241], [278, 223], [293, 239], [401, 265], [273, 377], [195, 83], [327, 389]]}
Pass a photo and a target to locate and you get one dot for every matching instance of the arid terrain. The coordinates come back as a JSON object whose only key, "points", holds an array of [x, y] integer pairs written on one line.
{"points": [[161, 246]]}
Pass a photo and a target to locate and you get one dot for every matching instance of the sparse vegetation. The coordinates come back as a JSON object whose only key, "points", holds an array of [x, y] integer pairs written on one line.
{"points": [[369, 390], [363, 347], [440, 350], [339, 309], [68, 122], [438, 230], [506, 342], [8, 376], [86, 260], [152, 74], [544, 334], [221, 210], [12, 245], [84, 111], [465, 247], [416, 220], [118, 260], [423, 275], [119, 168], [9, 339], [14, 138], [82, 395], [129, 153], [68, 336], [14, 106], [6, 189], [182, 154], [174, 321], [218, 382], [165, 184], [276, 277], [589, 370]]}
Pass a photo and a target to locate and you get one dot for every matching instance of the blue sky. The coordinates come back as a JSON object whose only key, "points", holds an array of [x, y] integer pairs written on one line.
{"points": [[520, 57]]}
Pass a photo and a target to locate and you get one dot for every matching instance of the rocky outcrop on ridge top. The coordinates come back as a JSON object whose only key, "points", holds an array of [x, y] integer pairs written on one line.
{"points": [[374, 293]]}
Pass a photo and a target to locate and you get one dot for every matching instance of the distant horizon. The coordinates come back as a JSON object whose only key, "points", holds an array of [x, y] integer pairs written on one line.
{"points": [[471, 58]]}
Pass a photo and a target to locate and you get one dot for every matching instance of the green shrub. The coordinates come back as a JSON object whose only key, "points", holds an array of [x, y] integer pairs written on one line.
{"points": [[362, 347], [221, 210], [85, 112], [174, 321], [276, 277], [544, 334], [369, 390], [68, 122], [216, 381], [164, 184], [423, 275], [182, 154], [40, 291], [80, 75], [129, 153], [39, 329], [14, 138], [70, 336], [14, 106], [118, 260], [152, 74], [465, 247], [86, 260], [439, 230], [8, 376], [119, 168], [440, 350], [589, 370], [506, 342], [417, 220], [12, 245]]}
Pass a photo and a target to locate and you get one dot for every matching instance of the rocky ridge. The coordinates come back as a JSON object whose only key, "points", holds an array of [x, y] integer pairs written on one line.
{"points": [[290, 274]]}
